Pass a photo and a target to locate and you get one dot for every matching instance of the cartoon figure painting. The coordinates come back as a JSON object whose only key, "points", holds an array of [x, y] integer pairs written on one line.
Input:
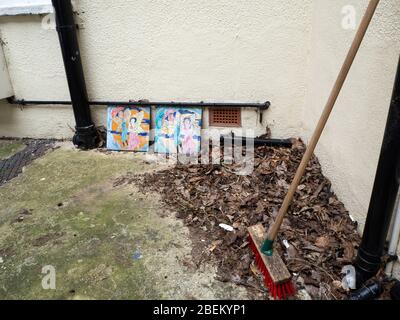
{"points": [[128, 128], [165, 140], [189, 131], [135, 129], [178, 130]]}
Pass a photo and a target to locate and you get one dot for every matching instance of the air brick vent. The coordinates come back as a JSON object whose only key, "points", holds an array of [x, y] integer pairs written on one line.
{"points": [[225, 117]]}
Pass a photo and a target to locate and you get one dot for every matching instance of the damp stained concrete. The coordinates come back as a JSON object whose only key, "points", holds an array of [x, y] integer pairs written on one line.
{"points": [[104, 241], [9, 147]]}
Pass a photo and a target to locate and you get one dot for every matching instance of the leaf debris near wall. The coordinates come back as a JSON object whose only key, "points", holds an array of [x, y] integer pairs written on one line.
{"points": [[316, 240]]}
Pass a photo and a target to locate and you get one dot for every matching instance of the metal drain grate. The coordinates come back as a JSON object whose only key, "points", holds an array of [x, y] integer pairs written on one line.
{"points": [[225, 117], [12, 167]]}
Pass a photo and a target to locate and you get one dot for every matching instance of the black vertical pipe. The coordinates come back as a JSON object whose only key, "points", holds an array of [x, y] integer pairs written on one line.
{"points": [[86, 136], [384, 194]]}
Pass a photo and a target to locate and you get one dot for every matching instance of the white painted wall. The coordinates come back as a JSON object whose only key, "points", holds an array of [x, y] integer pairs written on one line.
{"points": [[5, 83], [350, 145], [288, 52], [170, 50]]}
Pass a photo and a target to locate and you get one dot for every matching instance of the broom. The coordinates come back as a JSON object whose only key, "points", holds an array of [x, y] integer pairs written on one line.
{"points": [[276, 275]]}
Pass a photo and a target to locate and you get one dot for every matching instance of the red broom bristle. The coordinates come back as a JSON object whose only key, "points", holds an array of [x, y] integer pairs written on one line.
{"points": [[277, 291]]}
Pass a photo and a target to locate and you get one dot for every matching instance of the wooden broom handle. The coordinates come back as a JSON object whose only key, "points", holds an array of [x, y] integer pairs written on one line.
{"points": [[273, 231]]}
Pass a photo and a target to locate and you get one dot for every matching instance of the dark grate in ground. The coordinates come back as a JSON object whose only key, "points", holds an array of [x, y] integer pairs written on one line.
{"points": [[12, 167]]}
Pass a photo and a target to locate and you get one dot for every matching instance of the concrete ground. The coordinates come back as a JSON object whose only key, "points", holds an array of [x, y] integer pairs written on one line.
{"points": [[105, 241], [10, 147]]}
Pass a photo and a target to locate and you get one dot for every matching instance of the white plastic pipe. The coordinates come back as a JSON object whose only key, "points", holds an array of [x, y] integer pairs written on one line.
{"points": [[394, 239]]}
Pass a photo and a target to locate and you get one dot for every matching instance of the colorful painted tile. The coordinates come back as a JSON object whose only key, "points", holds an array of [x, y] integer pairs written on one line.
{"points": [[128, 128], [166, 133], [189, 136], [178, 130]]}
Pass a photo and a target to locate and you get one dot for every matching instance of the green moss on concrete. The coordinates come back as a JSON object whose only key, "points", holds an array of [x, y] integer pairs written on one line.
{"points": [[80, 224], [9, 148], [64, 211]]}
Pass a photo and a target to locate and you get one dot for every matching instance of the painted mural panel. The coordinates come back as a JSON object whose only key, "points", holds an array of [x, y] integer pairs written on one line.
{"points": [[178, 130], [189, 136], [128, 128], [166, 133]]}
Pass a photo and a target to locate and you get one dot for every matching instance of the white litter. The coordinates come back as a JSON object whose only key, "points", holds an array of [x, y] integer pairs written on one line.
{"points": [[349, 280], [286, 244], [226, 227], [1, 260]]}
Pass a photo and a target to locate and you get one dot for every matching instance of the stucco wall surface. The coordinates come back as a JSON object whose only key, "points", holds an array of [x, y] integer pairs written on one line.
{"points": [[167, 50], [350, 146], [5, 83]]}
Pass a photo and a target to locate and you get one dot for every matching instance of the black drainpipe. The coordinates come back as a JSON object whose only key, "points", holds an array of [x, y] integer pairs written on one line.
{"points": [[383, 196], [86, 136]]}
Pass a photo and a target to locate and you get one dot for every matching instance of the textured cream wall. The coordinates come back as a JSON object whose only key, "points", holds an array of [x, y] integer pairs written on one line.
{"points": [[168, 50], [350, 146], [5, 83]]}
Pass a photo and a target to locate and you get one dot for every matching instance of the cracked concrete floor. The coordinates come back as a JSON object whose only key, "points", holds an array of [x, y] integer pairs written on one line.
{"points": [[104, 241]]}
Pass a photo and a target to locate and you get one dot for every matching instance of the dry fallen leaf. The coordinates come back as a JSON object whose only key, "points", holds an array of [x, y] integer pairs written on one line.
{"points": [[322, 242], [318, 227], [254, 269], [214, 245]]}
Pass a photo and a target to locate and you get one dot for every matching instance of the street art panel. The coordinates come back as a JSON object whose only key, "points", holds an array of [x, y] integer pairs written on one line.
{"points": [[178, 130], [166, 133], [128, 128], [189, 131]]}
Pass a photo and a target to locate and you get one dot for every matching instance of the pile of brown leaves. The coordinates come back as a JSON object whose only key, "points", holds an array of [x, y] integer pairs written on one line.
{"points": [[321, 237]]}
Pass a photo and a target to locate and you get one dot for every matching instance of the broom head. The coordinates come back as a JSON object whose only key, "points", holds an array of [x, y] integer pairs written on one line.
{"points": [[277, 277]]}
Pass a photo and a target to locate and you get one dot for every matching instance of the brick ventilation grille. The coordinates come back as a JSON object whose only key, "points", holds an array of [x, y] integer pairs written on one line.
{"points": [[226, 117]]}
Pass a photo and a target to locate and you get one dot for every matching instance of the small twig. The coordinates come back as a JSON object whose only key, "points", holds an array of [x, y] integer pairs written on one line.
{"points": [[226, 168], [247, 285], [312, 265]]}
